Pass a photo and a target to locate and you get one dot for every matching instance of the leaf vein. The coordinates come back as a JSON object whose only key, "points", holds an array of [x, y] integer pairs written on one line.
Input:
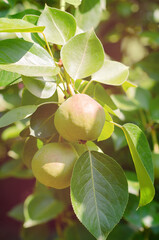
{"points": [[108, 184], [57, 28], [91, 166], [84, 52]]}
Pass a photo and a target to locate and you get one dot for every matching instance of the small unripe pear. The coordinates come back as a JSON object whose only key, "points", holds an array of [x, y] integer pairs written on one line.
{"points": [[79, 118], [52, 165]]}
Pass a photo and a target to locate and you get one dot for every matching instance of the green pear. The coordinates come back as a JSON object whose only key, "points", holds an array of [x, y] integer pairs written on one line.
{"points": [[80, 118], [52, 165]]}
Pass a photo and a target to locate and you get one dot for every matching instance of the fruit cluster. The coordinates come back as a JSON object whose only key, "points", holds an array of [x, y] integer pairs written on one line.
{"points": [[79, 119]]}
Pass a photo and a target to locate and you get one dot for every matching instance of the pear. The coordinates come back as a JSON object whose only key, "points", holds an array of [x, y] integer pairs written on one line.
{"points": [[52, 165], [79, 118]]}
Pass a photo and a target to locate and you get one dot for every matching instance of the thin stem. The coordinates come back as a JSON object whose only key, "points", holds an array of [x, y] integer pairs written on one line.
{"points": [[155, 141], [70, 88], [143, 118], [49, 139], [14, 80], [61, 78], [153, 134], [69, 85], [58, 228], [116, 124], [62, 5], [47, 45], [86, 87], [79, 87], [61, 88], [53, 59]]}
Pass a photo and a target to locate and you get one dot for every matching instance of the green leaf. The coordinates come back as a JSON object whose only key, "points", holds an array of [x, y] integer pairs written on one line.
{"points": [[21, 14], [82, 55], [124, 9], [59, 25], [10, 2], [124, 103], [118, 139], [90, 89], [104, 99], [9, 168], [25, 132], [121, 231], [11, 132], [140, 96], [16, 149], [31, 18], [154, 109], [87, 87], [99, 193], [17, 213], [138, 74], [9, 97], [76, 3], [23, 173], [30, 99], [32, 37], [111, 73], [150, 65], [77, 231], [133, 184], [102, 95], [108, 128], [127, 84], [146, 216], [7, 78], [141, 155], [152, 37], [42, 121], [18, 25], [89, 14], [17, 55], [39, 143], [30, 148], [39, 87], [81, 148], [17, 114], [40, 208]]}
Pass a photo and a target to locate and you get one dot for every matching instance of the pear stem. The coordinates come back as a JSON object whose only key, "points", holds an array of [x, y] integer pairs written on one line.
{"points": [[70, 88], [69, 85], [86, 87]]}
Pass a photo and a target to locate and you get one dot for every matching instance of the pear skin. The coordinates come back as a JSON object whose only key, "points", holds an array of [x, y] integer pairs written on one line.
{"points": [[80, 118]]}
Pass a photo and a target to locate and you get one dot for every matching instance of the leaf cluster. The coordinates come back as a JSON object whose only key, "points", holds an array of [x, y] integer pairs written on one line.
{"points": [[53, 56]]}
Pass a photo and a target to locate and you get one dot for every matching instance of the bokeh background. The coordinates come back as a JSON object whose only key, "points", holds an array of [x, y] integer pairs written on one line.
{"points": [[129, 32]]}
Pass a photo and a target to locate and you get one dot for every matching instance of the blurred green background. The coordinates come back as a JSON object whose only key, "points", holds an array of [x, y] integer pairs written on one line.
{"points": [[129, 32]]}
